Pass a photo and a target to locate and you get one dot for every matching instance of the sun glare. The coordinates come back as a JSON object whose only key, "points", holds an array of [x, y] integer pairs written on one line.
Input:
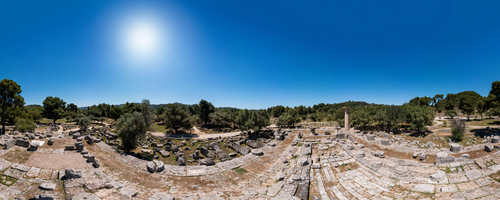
{"points": [[142, 38]]}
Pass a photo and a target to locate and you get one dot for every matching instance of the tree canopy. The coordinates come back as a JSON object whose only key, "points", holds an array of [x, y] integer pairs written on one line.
{"points": [[9, 99], [54, 108]]}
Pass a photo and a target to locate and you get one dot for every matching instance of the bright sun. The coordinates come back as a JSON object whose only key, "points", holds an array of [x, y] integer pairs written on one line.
{"points": [[142, 38]]}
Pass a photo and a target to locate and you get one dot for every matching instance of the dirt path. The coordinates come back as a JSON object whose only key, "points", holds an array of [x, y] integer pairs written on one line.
{"points": [[196, 136], [56, 161]]}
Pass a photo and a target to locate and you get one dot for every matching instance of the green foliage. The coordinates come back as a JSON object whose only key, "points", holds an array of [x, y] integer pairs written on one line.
{"points": [[451, 113], [131, 127], [115, 112], [84, 122], [288, 119], [9, 99], [147, 114], [102, 119], [54, 108], [495, 89], [177, 116], [205, 109], [24, 124], [277, 111], [160, 111], [445, 123], [457, 130], [255, 119], [220, 118]]}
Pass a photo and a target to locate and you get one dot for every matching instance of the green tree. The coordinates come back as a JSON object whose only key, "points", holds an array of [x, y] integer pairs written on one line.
{"points": [[258, 120], [277, 111], [84, 123], [147, 114], [451, 113], [160, 111], [450, 102], [205, 109], [220, 118], [9, 99], [481, 107], [176, 117], [54, 108], [116, 112], [242, 120], [467, 106], [131, 127], [495, 89]]}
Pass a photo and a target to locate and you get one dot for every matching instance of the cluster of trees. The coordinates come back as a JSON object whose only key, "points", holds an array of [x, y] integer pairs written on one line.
{"points": [[288, 116], [392, 118], [178, 116], [468, 102]]}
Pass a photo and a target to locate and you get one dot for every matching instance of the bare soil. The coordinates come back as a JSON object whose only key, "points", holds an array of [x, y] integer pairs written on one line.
{"points": [[56, 161]]}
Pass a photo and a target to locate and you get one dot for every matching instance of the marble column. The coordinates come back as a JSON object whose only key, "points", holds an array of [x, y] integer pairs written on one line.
{"points": [[346, 125]]}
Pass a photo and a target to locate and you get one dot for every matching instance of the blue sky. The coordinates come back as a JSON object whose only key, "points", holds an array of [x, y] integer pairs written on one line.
{"points": [[249, 54]]}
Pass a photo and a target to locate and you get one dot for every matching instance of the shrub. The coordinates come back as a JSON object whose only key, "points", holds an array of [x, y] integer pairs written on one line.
{"points": [[457, 129], [23, 124]]}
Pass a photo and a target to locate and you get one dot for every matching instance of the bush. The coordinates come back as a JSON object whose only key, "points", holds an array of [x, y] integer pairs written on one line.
{"points": [[445, 123], [457, 130], [23, 124]]}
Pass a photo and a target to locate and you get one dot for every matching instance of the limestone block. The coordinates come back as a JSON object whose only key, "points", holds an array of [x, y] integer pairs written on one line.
{"points": [[495, 139], [438, 176]]}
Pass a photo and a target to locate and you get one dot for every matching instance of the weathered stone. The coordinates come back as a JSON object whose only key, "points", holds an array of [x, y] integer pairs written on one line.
{"points": [[438, 176], [160, 166], [473, 174], [379, 154], [316, 166], [455, 148], [164, 153], [302, 162], [489, 148], [96, 163], [295, 177], [400, 170], [360, 154], [44, 197], [376, 165], [257, 152], [71, 174], [86, 196], [151, 167], [280, 176], [9, 143], [495, 139], [427, 188], [47, 186], [161, 196], [385, 141]]}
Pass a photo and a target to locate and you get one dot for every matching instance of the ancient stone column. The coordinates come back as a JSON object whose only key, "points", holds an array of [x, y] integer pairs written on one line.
{"points": [[346, 118]]}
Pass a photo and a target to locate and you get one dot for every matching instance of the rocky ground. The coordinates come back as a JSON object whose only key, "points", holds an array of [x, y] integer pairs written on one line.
{"points": [[296, 164]]}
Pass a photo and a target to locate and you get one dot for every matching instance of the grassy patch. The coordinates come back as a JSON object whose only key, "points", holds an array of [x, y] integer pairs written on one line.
{"points": [[160, 128], [496, 176], [300, 144], [294, 157], [7, 180], [448, 170], [17, 156], [240, 170]]}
